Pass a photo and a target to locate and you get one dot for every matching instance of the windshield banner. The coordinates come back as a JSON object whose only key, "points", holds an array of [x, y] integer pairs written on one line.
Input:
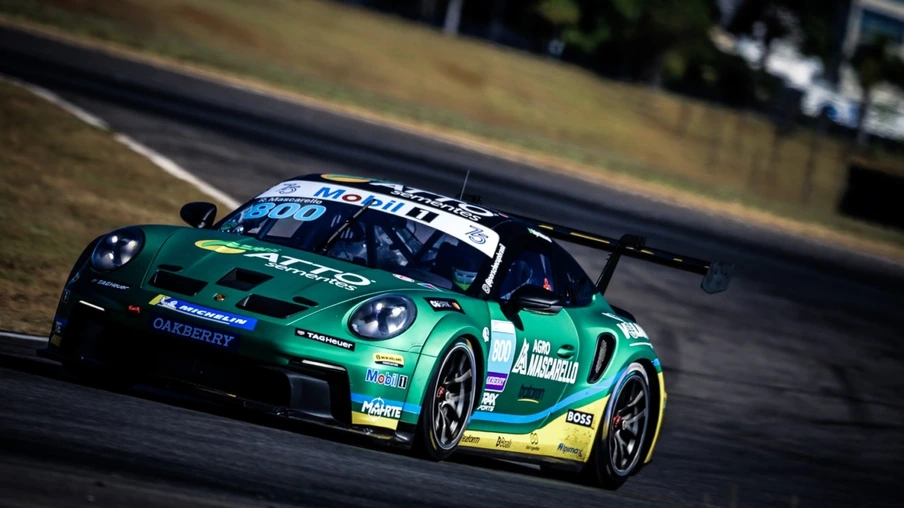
{"points": [[481, 237]]}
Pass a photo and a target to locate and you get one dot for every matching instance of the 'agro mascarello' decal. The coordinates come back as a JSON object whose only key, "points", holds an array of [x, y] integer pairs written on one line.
{"points": [[543, 366], [448, 215]]}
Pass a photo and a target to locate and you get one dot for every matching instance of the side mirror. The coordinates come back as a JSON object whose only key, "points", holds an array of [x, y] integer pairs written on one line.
{"points": [[536, 299], [199, 214]]}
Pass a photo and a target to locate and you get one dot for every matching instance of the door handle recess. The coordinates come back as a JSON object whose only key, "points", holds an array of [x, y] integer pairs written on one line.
{"points": [[566, 351]]}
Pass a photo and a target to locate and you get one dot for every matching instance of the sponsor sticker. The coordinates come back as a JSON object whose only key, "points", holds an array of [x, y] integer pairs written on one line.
{"points": [[390, 379], [502, 353], [488, 403], [538, 364], [65, 297], [390, 359], [214, 338], [569, 450], [530, 393], [326, 339], [314, 271], [227, 247], [441, 304], [470, 439], [402, 277], [534, 445], [502, 442], [378, 408], [110, 284], [201, 312], [539, 234], [59, 325], [579, 418], [632, 330], [494, 268]]}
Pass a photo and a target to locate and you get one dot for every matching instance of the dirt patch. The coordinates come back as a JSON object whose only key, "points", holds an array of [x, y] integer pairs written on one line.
{"points": [[461, 75], [216, 25]]}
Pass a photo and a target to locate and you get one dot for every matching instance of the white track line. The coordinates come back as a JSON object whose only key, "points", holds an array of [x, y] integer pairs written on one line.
{"points": [[22, 336], [51, 97], [177, 171], [159, 160]]}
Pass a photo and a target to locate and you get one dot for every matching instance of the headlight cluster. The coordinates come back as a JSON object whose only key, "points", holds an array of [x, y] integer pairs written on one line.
{"points": [[117, 248], [383, 317]]}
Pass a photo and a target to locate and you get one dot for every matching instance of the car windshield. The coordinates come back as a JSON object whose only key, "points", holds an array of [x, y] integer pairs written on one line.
{"points": [[377, 239]]}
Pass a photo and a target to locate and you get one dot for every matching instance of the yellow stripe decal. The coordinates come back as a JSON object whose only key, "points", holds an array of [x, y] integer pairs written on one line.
{"points": [[557, 438], [589, 237], [373, 421]]}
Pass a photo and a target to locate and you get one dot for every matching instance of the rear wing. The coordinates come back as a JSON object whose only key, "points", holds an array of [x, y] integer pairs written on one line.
{"points": [[716, 275]]}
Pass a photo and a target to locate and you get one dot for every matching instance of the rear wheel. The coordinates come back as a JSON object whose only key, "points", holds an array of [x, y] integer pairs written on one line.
{"points": [[448, 403], [617, 454]]}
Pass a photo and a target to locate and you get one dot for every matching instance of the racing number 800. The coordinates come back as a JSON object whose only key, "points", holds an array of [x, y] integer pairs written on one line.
{"points": [[501, 351], [284, 211]]}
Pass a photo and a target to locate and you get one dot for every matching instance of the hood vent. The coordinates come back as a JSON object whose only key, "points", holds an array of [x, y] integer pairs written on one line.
{"points": [[243, 280], [170, 268], [177, 283], [304, 301], [269, 306]]}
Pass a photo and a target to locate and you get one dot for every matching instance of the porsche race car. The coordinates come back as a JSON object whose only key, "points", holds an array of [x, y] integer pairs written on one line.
{"points": [[424, 321]]}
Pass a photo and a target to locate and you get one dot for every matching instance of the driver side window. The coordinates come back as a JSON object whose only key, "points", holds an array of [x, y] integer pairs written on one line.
{"points": [[528, 268]]}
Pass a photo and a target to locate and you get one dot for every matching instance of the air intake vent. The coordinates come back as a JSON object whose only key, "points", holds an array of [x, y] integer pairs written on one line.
{"points": [[304, 301], [243, 280], [170, 268], [177, 283], [269, 306], [604, 348]]}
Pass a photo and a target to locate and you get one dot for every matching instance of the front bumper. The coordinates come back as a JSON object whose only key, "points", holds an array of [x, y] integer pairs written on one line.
{"points": [[305, 389]]}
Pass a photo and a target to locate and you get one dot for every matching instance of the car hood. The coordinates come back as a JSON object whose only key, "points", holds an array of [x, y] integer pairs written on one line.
{"points": [[238, 266]]}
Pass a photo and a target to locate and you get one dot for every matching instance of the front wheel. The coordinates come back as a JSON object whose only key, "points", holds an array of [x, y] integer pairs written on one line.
{"points": [[448, 403], [623, 432]]}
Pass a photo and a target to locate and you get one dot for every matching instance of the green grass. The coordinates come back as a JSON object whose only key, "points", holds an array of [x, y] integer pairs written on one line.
{"points": [[63, 183], [403, 70]]}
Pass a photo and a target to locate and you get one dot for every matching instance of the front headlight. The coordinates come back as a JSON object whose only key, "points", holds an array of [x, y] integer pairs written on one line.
{"points": [[117, 248], [383, 317]]}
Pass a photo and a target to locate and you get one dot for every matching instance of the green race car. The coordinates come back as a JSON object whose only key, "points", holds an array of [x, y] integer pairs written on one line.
{"points": [[425, 321]]}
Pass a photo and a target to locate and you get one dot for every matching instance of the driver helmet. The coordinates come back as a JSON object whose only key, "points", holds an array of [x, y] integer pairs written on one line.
{"points": [[465, 266]]}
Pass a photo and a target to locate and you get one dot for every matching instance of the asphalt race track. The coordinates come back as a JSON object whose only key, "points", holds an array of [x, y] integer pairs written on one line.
{"points": [[784, 391]]}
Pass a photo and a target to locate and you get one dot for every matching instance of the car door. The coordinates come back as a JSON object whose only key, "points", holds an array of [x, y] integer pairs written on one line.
{"points": [[532, 356]]}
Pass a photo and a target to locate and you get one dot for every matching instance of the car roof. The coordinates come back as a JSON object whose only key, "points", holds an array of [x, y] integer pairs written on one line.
{"points": [[478, 213]]}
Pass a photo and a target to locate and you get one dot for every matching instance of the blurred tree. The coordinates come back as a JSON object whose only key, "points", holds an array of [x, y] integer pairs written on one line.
{"points": [[637, 39], [875, 61]]}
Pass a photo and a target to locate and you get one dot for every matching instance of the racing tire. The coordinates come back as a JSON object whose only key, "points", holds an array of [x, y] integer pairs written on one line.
{"points": [[448, 402], [623, 433]]}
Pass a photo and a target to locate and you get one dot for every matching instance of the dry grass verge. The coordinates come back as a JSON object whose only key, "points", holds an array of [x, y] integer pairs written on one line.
{"points": [[62, 184]]}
